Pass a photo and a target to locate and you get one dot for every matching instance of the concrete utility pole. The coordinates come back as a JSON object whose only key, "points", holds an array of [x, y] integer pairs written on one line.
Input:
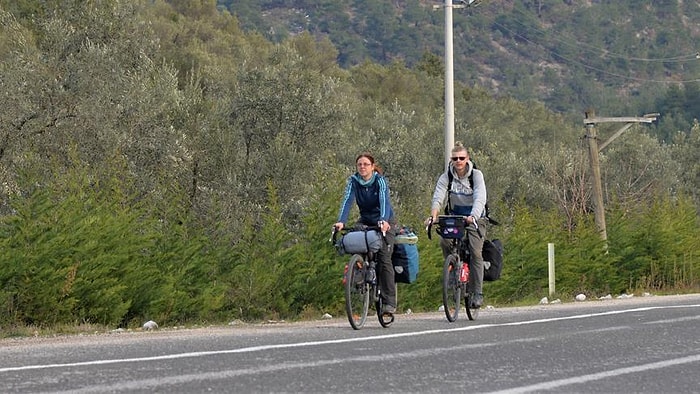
{"points": [[449, 75], [593, 150]]}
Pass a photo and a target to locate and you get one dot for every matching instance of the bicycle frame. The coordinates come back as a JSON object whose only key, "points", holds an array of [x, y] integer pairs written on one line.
{"points": [[456, 267], [361, 284]]}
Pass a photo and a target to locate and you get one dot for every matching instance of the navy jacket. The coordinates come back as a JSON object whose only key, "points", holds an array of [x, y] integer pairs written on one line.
{"points": [[372, 199]]}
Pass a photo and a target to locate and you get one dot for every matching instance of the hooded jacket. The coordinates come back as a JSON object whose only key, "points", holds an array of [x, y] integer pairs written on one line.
{"points": [[465, 199]]}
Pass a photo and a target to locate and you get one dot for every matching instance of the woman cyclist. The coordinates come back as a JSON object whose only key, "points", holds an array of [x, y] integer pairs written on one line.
{"points": [[369, 189]]}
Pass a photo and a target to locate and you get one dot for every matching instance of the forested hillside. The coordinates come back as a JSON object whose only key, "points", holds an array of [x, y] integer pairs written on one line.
{"points": [[159, 161], [623, 57]]}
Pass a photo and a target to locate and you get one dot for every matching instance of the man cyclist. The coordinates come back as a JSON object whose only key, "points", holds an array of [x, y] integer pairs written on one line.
{"points": [[466, 197]]}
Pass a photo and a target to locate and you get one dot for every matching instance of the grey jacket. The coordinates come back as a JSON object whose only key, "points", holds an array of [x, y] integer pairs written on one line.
{"points": [[465, 199]]}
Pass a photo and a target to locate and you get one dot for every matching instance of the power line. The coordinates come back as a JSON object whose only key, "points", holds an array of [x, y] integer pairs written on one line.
{"points": [[602, 51], [558, 55]]}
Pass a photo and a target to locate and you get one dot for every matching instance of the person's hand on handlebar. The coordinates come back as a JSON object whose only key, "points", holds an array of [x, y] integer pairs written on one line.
{"points": [[471, 220], [338, 226], [384, 226], [433, 218]]}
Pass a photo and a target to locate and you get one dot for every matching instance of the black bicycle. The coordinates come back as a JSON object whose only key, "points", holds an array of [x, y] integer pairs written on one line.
{"points": [[455, 270], [360, 277]]}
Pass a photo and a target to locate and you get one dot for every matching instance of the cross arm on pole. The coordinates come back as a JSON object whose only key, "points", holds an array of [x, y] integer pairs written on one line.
{"points": [[460, 4], [648, 118], [630, 120]]}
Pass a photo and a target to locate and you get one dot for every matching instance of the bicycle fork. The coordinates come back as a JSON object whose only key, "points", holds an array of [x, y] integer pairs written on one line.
{"points": [[371, 278]]}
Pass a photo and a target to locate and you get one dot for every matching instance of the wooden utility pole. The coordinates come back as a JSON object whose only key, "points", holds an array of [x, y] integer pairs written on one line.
{"points": [[593, 151]]}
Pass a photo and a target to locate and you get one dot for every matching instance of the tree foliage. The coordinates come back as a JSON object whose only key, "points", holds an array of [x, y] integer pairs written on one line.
{"points": [[614, 56], [158, 162]]}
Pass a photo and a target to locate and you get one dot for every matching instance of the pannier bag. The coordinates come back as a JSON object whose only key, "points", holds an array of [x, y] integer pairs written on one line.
{"points": [[360, 242], [406, 236], [405, 261], [451, 227], [493, 253]]}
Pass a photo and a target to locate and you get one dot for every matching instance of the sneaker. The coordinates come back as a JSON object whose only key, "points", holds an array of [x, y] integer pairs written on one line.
{"points": [[477, 301], [388, 309]]}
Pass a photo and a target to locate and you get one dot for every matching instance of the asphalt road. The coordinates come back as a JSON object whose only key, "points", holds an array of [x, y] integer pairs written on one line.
{"points": [[640, 345]]}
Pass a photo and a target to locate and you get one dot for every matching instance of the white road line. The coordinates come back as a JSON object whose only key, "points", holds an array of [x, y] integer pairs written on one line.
{"points": [[600, 375], [161, 383], [329, 342], [680, 319]]}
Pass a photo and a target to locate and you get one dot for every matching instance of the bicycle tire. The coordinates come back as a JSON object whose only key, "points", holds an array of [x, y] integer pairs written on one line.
{"points": [[356, 292], [472, 313], [385, 319], [451, 288]]}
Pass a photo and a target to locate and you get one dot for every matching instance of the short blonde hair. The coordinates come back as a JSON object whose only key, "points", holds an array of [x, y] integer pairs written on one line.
{"points": [[459, 147]]}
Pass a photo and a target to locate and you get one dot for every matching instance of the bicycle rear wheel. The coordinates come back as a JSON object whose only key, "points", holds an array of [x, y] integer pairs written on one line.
{"points": [[472, 312], [451, 288], [356, 292]]}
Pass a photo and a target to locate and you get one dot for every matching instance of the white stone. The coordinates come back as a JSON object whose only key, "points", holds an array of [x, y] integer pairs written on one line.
{"points": [[150, 325], [581, 297]]}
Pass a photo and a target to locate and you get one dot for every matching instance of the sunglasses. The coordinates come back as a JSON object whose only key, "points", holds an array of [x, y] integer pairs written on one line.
{"points": [[460, 158]]}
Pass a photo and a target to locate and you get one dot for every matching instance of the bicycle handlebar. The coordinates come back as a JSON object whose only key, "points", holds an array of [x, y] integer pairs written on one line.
{"points": [[430, 225]]}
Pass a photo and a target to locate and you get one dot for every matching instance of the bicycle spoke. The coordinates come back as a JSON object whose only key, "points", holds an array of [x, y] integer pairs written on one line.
{"points": [[451, 289], [356, 293]]}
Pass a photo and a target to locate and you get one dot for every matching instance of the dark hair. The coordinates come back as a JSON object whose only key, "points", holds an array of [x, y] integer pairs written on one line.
{"points": [[369, 157]]}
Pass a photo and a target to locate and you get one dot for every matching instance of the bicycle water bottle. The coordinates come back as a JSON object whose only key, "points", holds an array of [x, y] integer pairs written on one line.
{"points": [[464, 275]]}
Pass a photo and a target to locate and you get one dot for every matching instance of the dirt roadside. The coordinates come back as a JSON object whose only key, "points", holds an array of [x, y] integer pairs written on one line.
{"points": [[117, 336]]}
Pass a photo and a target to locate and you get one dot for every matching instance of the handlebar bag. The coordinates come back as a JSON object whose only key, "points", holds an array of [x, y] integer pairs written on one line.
{"points": [[451, 227]]}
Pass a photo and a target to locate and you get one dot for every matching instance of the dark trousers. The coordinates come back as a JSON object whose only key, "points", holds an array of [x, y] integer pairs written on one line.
{"points": [[385, 268]]}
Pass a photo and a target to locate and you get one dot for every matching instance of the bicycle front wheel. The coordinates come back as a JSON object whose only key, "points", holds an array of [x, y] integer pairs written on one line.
{"points": [[451, 288], [356, 292], [472, 312]]}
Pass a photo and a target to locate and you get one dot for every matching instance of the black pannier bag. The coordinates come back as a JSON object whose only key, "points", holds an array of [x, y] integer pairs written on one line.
{"points": [[493, 253]]}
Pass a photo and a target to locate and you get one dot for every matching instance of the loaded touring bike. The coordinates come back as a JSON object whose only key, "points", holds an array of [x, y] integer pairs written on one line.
{"points": [[455, 269], [360, 278]]}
